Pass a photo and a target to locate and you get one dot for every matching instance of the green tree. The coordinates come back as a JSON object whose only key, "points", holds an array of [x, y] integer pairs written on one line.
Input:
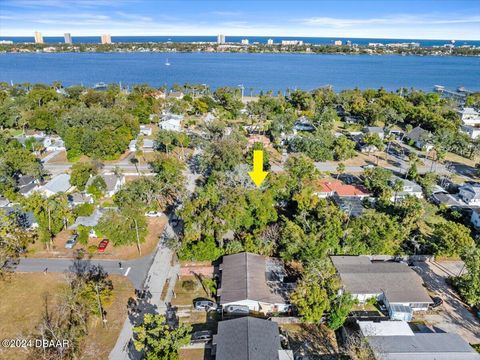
{"points": [[157, 340], [451, 239], [468, 285], [97, 187], [80, 174], [340, 310]]}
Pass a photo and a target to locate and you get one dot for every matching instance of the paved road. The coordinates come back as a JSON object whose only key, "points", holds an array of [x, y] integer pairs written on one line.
{"points": [[135, 270]]}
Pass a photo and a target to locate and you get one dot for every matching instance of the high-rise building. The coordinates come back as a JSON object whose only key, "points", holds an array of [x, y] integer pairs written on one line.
{"points": [[106, 39], [68, 38], [221, 39], [245, 41], [38, 38], [270, 42]]}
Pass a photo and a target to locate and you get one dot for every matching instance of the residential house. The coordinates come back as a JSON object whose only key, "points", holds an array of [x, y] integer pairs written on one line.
{"points": [[303, 124], [256, 138], [422, 346], [78, 198], [472, 131], [24, 219], [171, 122], [396, 284], [421, 138], [374, 130], [350, 205], [328, 188], [113, 182], [158, 94], [145, 130], [53, 143], [58, 184], [470, 194], [469, 116], [27, 185], [248, 338], [89, 221], [349, 119], [475, 218], [410, 188], [148, 145], [176, 95], [4, 202], [255, 281]]}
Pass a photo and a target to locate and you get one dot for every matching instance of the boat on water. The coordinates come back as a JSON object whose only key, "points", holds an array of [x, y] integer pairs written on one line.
{"points": [[167, 63]]}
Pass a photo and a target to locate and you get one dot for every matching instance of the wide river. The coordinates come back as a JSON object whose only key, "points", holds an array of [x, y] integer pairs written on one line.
{"points": [[254, 71]]}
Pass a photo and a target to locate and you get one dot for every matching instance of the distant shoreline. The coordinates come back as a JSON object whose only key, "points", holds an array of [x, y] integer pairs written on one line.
{"points": [[403, 49]]}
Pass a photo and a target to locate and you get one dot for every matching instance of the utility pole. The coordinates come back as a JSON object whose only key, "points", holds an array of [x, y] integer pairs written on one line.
{"points": [[104, 321]]}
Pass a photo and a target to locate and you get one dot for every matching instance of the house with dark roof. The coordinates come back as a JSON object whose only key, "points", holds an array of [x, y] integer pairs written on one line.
{"points": [[421, 138], [422, 346], [470, 193], [255, 281], [249, 338], [24, 219], [396, 284]]}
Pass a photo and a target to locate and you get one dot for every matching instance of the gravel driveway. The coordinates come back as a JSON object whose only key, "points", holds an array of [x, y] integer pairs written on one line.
{"points": [[453, 316]]}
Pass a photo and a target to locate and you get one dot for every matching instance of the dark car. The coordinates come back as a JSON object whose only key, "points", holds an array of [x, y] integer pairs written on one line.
{"points": [[201, 336], [71, 241], [103, 245], [437, 301], [206, 305]]}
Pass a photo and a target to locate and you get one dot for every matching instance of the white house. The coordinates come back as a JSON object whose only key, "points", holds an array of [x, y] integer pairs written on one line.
{"points": [[472, 131], [113, 182], [469, 116], [470, 193], [145, 130], [148, 145], [58, 184], [171, 122], [254, 281], [398, 286], [410, 188], [53, 143]]}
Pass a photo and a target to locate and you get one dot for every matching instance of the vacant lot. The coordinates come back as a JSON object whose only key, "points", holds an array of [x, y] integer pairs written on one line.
{"points": [[187, 289], [155, 229], [23, 302]]}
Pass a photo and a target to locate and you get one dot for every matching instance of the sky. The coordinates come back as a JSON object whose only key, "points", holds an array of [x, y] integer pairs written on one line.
{"points": [[408, 19]]}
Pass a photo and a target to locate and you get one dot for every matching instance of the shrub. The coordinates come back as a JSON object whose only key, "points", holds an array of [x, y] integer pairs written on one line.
{"points": [[82, 232], [189, 285], [83, 210]]}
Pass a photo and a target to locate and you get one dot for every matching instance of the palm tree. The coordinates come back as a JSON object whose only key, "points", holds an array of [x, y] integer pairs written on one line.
{"points": [[134, 161], [397, 187], [340, 169]]}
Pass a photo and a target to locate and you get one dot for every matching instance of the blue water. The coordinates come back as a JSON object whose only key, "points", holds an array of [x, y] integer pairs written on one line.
{"points": [[257, 71], [235, 39]]}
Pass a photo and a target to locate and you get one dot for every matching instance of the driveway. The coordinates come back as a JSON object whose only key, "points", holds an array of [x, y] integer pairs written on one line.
{"points": [[453, 316]]}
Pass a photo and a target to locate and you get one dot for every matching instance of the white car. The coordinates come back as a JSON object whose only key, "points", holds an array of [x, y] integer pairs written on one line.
{"points": [[153, 214]]}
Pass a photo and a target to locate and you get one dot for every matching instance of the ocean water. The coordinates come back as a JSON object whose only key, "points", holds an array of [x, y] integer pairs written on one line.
{"points": [[255, 72], [236, 39]]}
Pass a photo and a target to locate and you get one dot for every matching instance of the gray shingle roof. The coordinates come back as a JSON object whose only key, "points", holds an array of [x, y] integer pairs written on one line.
{"points": [[247, 338], [419, 134], [60, 183], [244, 277], [91, 220], [428, 346], [362, 276]]}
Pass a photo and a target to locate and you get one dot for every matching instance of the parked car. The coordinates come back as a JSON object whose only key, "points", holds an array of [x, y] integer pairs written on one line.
{"points": [[206, 305], [368, 166], [71, 241], [237, 309], [103, 245], [202, 336], [153, 214], [437, 301]]}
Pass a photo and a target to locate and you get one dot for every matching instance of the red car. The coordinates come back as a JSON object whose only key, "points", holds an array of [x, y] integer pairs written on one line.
{"points": [[103, 245]]}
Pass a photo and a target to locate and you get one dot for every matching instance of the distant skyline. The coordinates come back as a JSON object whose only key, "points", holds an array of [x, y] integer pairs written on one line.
{"points": [[406, 19]]}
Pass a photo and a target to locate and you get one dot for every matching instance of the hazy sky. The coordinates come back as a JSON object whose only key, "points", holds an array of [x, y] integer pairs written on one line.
{"points": [[436, 19]]}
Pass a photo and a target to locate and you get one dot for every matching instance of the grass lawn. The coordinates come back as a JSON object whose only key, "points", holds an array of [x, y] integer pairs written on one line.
{"points": [[21, 310], [311, 340], [185, 295], [100, 341], [155, 229]]}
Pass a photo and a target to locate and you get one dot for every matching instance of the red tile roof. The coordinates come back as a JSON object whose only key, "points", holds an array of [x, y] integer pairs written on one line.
{"points": [[341, 189]]}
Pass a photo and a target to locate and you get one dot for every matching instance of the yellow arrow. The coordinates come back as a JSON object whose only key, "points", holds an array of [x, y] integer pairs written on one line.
{"points": [[258, 175]]}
